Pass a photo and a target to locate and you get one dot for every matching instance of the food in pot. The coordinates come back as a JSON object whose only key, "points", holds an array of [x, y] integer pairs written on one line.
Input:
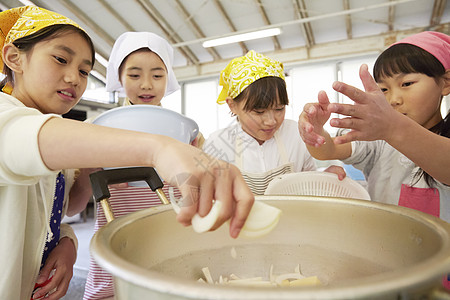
{"points": [[261, 220], [283, 280]]}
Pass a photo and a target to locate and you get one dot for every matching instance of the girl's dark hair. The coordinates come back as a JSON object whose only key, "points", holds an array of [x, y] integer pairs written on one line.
{"points": [[407, 58], [27, 43], [264, 93]]}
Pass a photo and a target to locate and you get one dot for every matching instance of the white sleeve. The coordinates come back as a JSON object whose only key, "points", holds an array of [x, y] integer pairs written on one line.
{"points": [[20, 158]]}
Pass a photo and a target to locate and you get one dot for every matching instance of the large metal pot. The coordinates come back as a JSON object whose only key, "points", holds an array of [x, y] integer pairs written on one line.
{"points": [[358, 249]]}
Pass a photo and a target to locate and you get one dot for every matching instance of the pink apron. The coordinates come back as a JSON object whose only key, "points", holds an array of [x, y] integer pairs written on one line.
{"points": [[422, 199], [425, 200]]}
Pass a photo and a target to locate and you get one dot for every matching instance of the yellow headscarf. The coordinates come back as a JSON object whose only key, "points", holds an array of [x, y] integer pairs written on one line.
{"points": [[244, 70], [25, 20]]}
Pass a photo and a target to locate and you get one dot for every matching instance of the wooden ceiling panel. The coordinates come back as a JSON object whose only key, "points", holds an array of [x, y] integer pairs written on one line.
{"points": [[311, 29]]}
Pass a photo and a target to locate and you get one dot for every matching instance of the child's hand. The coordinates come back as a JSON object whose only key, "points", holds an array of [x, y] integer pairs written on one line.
{"points": [[312, 119], [61, 259], [338, 170], [201, 179], [369, 118]]}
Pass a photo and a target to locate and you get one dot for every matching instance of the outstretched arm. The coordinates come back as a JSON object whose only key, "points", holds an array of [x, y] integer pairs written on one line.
{"points": [[93, 146], [372, 118]]}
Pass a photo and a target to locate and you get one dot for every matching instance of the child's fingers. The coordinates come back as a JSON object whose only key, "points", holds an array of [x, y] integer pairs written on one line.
{"points": [[207, 193], [338, 170], [223, 192], [312, 139], [350, 110], [347, 123], [347, 138], [322, 97], [52, 291], [353, 93], [306, 131], [367, 80], [189, 202], [44, 274], [55, 286], [244, 200], [309, 109]]}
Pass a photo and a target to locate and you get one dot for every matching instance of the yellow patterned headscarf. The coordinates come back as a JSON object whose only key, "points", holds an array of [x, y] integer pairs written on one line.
{"points": [[25, 20], [244, 70]]}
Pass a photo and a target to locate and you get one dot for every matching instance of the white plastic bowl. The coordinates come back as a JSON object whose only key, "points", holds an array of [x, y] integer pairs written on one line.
{"points": [[315, 183]]}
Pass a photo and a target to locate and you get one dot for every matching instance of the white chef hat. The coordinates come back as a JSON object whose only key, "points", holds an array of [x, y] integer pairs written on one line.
{"points": [[129, 42]]}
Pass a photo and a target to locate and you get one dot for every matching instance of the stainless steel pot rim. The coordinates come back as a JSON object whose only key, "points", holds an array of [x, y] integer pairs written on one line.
{"points": [[383, 283]]}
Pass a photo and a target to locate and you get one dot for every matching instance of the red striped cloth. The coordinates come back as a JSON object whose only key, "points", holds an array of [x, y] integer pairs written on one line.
{"points": [[99, 283]]}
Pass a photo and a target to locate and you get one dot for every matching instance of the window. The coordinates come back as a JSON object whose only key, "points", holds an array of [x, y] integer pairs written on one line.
{"points": [[173, 101], [348, 72], [200, 105], [306, 82]]}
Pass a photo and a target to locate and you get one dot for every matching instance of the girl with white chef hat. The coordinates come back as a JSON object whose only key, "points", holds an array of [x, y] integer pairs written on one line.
{"points": [[140, 66], [148, 56], [262, 144]]}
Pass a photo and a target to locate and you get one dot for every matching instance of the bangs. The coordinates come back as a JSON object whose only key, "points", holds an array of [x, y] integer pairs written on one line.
{"points": [[406, 59], [264, 93]]}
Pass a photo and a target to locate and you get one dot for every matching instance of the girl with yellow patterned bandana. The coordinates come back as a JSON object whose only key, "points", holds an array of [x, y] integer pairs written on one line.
{"points": [[47, 59], [262, 144]]}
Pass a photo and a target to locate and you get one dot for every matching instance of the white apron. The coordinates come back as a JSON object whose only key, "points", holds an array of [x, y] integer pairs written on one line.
{"points": [[258, 182]]}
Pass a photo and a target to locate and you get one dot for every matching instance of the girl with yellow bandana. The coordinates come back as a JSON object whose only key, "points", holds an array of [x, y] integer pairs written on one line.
{"points": [[262, 144], [47, 59]]}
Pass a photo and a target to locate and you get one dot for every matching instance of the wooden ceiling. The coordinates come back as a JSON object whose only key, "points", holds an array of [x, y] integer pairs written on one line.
{"points": [[311, 29]]}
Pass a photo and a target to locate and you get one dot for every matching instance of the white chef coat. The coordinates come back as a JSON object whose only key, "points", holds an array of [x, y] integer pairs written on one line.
{"points": [[258, 158]]}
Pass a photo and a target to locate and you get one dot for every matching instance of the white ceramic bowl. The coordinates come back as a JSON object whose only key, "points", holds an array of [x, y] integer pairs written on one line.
{"points": [[150, 119]]}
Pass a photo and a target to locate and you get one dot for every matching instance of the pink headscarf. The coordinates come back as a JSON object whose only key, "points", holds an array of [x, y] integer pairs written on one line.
{"points": [[435, 43]]}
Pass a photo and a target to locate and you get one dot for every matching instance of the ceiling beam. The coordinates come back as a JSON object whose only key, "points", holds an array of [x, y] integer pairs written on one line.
{"points": [[229, 23], [438, 10], [319, 52], [304, 20], [195, 28], [172, 36], [348, 20], [116, 15], [88, 21], [391, 17], [266, 20], [302, 13]]}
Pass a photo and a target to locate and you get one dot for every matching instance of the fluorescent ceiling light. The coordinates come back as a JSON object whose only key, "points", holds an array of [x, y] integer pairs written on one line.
{"points": [[242, 37], [27, 2]]}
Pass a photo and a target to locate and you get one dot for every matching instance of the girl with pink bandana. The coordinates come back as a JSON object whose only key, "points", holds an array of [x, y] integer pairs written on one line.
{"points": [[397, 135]]}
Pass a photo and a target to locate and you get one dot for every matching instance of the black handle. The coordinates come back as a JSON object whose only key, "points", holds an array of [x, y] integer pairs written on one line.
{"points": [[101, 179]]}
